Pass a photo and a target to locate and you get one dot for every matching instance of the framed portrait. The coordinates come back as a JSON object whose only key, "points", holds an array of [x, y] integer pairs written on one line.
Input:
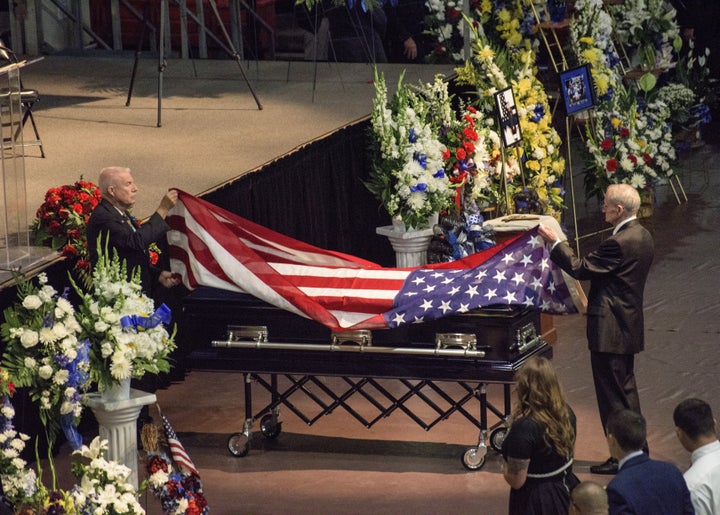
{"points": [[507, 114], [577, 89]]}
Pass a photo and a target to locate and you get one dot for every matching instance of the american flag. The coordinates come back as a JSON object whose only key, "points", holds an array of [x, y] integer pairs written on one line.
{"points": [[179, 455], [212, 247]]}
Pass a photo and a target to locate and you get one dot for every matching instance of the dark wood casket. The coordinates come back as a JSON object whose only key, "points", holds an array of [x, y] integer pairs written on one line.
{"points": [[286, 356], [499, 336]]}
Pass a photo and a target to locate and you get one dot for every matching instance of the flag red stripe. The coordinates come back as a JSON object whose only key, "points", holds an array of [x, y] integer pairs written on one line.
{"points": [[246, 261]]}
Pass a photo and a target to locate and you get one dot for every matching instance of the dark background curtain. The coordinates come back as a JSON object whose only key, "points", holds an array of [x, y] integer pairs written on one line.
{"points": [[316, 194]]}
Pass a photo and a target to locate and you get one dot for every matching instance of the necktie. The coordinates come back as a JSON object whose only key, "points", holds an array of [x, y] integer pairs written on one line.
{"points": [[128, 220]]}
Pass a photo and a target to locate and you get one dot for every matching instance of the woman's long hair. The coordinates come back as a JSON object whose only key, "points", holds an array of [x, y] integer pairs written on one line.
{"points": [[539, 396]]}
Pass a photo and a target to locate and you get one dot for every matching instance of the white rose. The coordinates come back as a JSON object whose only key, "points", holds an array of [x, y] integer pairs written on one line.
{"points": [[29, 362], [29, 339], [31, 302], [101, 326], [45, 372]]}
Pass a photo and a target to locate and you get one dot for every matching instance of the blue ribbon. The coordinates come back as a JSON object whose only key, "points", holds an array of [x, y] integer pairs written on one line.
{"points": [[74, 438], [133, 322]]}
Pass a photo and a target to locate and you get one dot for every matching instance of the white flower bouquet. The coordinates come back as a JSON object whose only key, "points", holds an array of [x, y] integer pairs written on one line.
{"points": [[127, 335], [408, 169], [19, 483], [45, 354], [103, 485]]}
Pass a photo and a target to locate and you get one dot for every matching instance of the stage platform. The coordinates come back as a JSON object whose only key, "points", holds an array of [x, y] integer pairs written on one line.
{"points": [[212, 132], [212, 129]]}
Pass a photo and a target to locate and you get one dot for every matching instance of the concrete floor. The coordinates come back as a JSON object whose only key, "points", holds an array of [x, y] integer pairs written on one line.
{"points": [[212, 131]]}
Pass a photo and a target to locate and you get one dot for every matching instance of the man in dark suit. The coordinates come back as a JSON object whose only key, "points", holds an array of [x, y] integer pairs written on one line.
{"points": [[642, 485], [617, 272], [111, 219]]}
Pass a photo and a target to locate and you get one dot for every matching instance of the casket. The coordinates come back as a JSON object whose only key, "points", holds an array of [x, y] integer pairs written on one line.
{"points": [[495, 335]]}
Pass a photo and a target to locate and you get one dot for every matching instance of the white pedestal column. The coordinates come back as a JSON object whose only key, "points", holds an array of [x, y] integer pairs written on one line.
{"points": [[118, 425], [410, 246]]}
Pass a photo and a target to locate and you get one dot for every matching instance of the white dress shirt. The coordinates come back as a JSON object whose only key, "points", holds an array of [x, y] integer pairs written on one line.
{"points": [[703, 479]]}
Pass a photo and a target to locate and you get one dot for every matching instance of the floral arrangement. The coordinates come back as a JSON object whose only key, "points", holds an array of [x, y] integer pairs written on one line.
{"points": [[510, 24], [448, 26], [45, 354], [493, 70], [514, 24], [692, 71], [679, 99], [18, 482], [473, 161], [591, 36], [128, 336], [650, 27], [408, 170], [60, 221], [179, 491], [629, 142], [103, 485]]}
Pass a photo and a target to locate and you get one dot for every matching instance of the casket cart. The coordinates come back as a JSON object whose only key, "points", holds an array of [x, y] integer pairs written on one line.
{"points": [[454, 359]]}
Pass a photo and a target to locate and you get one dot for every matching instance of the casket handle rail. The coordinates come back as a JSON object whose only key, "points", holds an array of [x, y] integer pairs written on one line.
{"points": [[255, 337], [465, 341], [362, 337], [526, 338]]}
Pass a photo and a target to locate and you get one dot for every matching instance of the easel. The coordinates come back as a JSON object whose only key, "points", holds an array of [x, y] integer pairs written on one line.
{"points": [[162, 62]]}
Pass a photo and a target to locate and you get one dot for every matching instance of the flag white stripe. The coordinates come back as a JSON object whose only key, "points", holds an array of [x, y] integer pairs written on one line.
{"points": [[324, 271], [349, 292], [234, 269]]}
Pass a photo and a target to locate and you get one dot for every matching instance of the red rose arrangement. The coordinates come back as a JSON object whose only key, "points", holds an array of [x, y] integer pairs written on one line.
{"points": [[60, 221]]}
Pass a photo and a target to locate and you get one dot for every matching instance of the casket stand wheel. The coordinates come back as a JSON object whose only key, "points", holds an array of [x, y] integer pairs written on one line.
{"points": [[474, 457], [270, 426], [239, 443], [497, 438]]}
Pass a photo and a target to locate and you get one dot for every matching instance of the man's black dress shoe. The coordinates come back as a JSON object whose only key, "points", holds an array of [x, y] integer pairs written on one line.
{"points": [[608, 468]]}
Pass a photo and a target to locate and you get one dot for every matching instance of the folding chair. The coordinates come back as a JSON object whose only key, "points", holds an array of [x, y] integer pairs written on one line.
{"points": [[28, 99]]}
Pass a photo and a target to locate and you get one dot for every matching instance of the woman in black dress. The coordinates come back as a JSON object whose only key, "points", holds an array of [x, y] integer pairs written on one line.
{"points": [[538, 447]]}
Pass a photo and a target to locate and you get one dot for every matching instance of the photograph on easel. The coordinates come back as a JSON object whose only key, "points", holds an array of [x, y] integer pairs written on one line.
{"points": [[507, 113], [577, 89]]}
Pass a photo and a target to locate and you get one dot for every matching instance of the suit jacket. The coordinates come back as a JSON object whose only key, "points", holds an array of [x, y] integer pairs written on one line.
{"points": [[644, 486], [617, 271], [127, 236]]}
